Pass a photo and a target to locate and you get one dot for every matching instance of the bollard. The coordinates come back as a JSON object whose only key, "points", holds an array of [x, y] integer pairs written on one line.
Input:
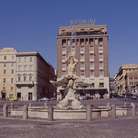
{"points": [[125, 104], [25, 112], [12, 106], [30, 105], [45, 104], [5, 110], [88, 113], [108, 104], [113, 111], [133, 110], [50, 113]]}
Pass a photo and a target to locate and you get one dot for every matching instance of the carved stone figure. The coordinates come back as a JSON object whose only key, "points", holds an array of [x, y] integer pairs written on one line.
{"points": [[70, 82]]}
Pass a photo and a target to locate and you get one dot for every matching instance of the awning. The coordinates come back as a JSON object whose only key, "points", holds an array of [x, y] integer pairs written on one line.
{"points": [[91, 81], [101, 81]]}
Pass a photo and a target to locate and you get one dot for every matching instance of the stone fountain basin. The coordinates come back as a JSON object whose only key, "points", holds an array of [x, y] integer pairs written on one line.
{"points": [[68, 114]]}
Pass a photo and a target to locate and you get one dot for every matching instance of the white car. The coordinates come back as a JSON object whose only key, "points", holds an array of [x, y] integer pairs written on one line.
{"points": [[43, 99]]}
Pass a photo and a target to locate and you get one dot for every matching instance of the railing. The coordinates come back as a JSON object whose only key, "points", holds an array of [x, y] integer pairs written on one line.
{"points": [[24, 111]]}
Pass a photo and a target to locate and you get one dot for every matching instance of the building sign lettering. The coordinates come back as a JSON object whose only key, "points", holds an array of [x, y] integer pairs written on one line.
{"points": [[82, 21]]}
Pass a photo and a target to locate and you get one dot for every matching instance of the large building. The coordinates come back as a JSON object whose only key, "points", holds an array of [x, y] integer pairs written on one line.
{"points": [[89, 42], [25, 75], [126, 78]]}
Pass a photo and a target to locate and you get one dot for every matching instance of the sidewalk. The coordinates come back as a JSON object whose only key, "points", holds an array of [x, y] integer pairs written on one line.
{"points": [[118, 128]]}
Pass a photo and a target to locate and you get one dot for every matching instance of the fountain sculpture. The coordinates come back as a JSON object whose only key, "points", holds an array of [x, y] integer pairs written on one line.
{"points": [[70, 82]]}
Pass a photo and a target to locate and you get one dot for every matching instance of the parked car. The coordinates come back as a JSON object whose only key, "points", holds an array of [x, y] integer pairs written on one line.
{"points": [[43, 99], [133, 97], [53, 99], [82, 98], [13, 99], [121, 96]]}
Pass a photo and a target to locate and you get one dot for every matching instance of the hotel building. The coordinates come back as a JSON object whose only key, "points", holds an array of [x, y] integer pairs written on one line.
{"points": [[90, 45], [25, 75]]}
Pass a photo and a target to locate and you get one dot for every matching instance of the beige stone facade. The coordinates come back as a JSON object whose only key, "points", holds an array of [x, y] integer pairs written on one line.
{"points": [[90, 45], [31, 75], [122, 79]]}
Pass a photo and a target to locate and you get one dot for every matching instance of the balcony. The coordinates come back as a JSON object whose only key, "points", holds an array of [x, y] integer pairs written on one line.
{"points": [[101, 68], [82, 68], [92, 59], [91, 52], [82, 52], [82, 60], [91, 68], [100, 59], [24, 82]]}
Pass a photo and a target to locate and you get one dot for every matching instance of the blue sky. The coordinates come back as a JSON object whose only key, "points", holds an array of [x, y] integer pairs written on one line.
{"points": [[32, 25]]}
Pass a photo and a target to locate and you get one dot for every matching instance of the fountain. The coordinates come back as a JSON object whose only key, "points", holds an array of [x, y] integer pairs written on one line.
{"points": [[70, 82]]}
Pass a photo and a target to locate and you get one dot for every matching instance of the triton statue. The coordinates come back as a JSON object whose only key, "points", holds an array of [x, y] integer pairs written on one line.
{"points": [[70, 82]]}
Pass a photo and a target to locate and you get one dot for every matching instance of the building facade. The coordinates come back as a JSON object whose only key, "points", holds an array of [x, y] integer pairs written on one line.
{"points": [[123, 80], [90, 45], [29, 77]]}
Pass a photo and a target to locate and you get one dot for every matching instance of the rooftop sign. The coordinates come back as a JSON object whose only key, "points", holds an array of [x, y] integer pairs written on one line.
{"points": [[82, 21]]}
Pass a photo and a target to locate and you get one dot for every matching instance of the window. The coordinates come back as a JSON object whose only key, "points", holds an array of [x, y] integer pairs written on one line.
{"points": [[91, 57], [30, 78], [25, 67], [4, 80], [100, 41], [91, 41], [11, 80], [91, 65], [63, 58], [19, 68], [92, 73], [100, 49], [63, 66], [101, 73], [101, 84], [91, 49], [82, 74], [25, 59], [11, 88], [82, 66], [131, 83], [81, 41], [30, 67], [12, 64], [135, 78], [82, 49], [82, 57], [24, 78], [12, 57], [4, 65], [11, 96], [101, 57], [19, 59], [18, 87], [12, 71], [19, 78], [63, 50], [31, 59], [73, 49], [5, 57], [131, 78], [101, 65], [63, 42], [4, 71], [73, 42]]}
